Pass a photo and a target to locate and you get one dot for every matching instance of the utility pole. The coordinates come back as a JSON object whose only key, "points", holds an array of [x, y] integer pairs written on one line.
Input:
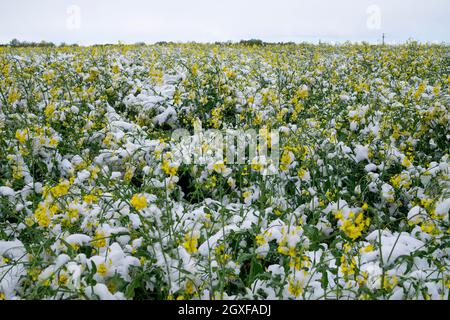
{"points": [[383, 38]]}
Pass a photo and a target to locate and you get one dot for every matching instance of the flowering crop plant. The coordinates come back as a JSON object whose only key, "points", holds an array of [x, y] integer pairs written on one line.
{"points": [[96, 202]]}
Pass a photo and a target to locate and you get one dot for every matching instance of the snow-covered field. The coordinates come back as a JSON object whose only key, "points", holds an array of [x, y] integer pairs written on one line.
{"points": [[95, 204]]}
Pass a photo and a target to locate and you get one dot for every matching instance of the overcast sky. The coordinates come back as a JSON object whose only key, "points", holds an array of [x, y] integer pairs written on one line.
{"points": [[102, 21]]}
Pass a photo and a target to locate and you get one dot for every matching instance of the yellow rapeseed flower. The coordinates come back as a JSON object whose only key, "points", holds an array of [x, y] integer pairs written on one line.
{"points": [[139, 202], [191, 242]]}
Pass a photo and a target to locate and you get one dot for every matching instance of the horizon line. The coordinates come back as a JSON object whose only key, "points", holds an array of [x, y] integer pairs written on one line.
{"points": [[306, 41]]}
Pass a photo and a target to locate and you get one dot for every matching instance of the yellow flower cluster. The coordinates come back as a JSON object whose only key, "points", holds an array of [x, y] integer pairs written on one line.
{"points": [[139, 202], [353, 225], [191, 242]]}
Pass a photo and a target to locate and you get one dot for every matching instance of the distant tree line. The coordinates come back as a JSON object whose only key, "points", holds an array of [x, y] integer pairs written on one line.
{"points": [[250, 43], [43, 44], [253, 42]]}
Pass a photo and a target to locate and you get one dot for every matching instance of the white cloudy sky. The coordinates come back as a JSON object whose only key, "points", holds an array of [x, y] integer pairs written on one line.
{"points": [[103, 21]]}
